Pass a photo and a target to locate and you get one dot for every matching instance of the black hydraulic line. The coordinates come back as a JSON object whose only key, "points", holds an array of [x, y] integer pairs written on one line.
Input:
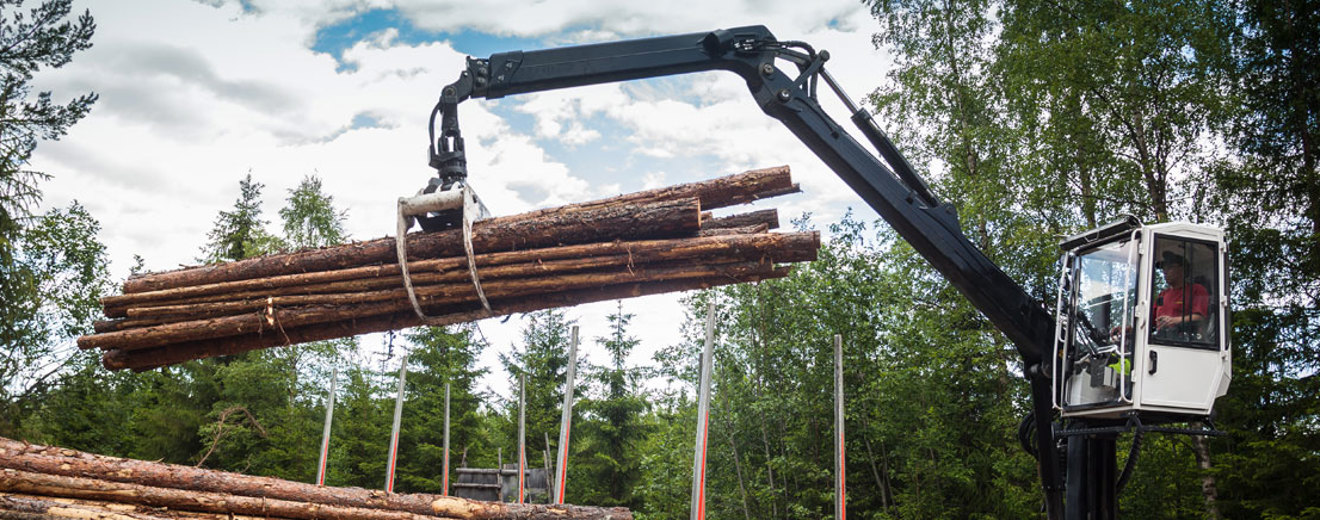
{"points": [[1130, 466], [1025, 432]]}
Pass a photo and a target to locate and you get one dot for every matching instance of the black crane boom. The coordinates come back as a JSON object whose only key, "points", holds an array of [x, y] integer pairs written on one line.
{"points": [[890, 186]]}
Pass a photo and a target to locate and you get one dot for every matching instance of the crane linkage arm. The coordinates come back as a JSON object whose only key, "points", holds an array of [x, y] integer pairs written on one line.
{"points": [[891, 187]]}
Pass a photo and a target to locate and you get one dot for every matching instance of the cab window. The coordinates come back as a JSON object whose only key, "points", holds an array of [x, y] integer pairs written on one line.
{"points": [[1184, 290]]}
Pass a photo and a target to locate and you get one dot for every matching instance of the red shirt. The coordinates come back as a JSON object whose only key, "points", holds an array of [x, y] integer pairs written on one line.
{"points": [[1171, 301]]}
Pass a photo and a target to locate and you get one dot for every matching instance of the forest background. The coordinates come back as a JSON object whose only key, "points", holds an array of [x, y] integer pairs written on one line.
{"points": [[1036, 119]]}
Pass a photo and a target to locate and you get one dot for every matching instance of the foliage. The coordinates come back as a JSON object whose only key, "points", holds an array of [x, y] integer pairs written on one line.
{"points": [[543, 359], [41, 259], [1033, 120], [440, 357], [29, 42], [240, 233], [609, 440], [310, 218], [52, 287], [1271, 197]]}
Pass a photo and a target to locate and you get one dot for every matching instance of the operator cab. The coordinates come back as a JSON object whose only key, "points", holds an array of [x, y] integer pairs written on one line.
{"points": [[1142, 322]]}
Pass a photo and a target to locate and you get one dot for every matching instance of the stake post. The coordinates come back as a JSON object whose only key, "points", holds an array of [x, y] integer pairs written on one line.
{"points": [[698, 509], [565, 422], [394, 432], [325, 434]]}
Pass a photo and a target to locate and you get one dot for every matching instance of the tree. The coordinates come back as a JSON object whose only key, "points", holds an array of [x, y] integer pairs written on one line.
{"points": [[1270, 195], [361, 431], [240, 233], [310, 218], [33, 255], [440, 356], [29, 42], [53, 284], [610, 439], [543, 358]]}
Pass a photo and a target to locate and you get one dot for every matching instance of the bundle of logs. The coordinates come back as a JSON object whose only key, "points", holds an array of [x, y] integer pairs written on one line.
{"points": [[649, 242], [50, 483]]}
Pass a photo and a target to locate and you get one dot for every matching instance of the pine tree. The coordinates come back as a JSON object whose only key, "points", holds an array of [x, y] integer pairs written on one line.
{"points": [[29, 42], [361, 431]]}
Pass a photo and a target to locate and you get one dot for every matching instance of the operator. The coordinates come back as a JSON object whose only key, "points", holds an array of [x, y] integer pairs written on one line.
{"points": [[1179, 303]]}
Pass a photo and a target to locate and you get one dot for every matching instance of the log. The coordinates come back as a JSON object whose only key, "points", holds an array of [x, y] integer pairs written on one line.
{"points": [[661, 219], [190, 500], [723, 232], [769, 217], [139, 360], [786, 247], [73, 509], [394, 300], [716, 193], [722, 192], [72, 463]]}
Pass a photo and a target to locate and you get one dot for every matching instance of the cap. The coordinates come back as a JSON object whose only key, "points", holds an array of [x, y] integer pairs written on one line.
{"points": [[1169, 258]]}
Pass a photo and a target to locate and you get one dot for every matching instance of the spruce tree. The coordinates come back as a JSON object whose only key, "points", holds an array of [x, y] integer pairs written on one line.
{"points": [[440, 356], [609, 445]]}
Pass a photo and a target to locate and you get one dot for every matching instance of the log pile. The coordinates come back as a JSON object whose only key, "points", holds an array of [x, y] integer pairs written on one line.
{"points": [[649, 242], [48, 483]]}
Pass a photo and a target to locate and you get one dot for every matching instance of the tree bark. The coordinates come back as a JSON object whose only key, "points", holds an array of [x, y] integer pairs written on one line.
{"points": [[378, 303], [190, 500], [745, 230], [74, 509], [28, 459], [769, 217], [715, 193], [731, 190], [157, 357], [663, 219], [778, 247], [1209, 492]]}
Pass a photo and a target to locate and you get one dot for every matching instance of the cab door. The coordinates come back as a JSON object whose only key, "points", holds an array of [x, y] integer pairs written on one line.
{"points": [[1184, 363]]}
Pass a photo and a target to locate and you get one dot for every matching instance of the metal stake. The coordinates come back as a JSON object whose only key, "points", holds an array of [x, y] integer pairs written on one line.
{"points": [[445, 480], [698, 510], [325, 435], [522, 435], [840, 462], [394, 435], [565, 421]]}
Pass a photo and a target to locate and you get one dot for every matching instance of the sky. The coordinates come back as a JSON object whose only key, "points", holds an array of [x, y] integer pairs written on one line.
{"points": [[196, 94]]}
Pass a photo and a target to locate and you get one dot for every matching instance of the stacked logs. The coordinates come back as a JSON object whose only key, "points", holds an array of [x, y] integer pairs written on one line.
{"points": [[50, 483], [649, 242]]}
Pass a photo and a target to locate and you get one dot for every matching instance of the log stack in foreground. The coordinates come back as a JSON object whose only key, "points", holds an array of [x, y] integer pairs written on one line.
{"points": [[43, 482], [642, 243]]}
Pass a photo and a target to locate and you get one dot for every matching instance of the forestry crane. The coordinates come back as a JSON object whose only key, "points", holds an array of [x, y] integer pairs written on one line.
{"points": [[1138, 340]]}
